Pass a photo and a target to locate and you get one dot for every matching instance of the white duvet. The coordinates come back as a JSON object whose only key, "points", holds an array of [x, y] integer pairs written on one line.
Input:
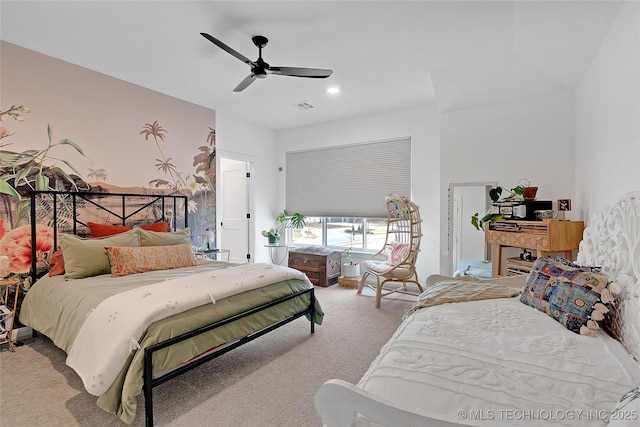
{"points": [[500, 362], [111, 330]]}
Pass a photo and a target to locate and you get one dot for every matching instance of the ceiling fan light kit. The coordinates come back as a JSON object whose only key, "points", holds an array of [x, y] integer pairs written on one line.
{"points": [[260, 69]]}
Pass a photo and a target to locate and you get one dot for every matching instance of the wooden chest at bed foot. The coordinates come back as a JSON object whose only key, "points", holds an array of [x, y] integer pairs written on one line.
{"points": [[321, 265]]}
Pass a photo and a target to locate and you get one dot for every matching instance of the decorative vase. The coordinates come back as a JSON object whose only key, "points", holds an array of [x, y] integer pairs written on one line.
{"points": [[274, 240]]}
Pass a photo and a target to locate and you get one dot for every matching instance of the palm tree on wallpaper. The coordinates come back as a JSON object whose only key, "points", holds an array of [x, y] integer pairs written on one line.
{"points": [[98, 174], [164, 164]]}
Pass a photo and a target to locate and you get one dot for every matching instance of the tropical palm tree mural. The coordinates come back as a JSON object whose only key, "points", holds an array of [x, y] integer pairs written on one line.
{"points": [[199, 185], [98, 174]]}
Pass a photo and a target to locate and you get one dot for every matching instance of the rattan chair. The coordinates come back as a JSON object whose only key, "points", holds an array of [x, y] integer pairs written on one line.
{"points": [[393, 267]]}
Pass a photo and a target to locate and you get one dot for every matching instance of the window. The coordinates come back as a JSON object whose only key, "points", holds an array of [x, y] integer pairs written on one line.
{"points": [[348, 180], [361, 234]]}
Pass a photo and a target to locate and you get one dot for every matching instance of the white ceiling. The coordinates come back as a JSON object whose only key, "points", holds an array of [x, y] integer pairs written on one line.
{"points": [[386, 55]]}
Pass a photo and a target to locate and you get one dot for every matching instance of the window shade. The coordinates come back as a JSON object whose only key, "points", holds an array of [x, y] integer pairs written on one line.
{"points": [[348, 180]]}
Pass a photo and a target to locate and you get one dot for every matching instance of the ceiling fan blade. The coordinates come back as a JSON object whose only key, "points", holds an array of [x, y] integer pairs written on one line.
{"points": [[228, 49], [244, 83], [317, 73]]}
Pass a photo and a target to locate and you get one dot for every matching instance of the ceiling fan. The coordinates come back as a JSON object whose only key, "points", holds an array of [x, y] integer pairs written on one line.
{"points": [[260, 69]]}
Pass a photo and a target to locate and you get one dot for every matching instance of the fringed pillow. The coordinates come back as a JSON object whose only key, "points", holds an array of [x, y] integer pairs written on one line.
{"points": [[572, 295]]}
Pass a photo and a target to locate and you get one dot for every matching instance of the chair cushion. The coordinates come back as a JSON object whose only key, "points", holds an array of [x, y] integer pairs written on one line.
{"points": [[382, 268]]}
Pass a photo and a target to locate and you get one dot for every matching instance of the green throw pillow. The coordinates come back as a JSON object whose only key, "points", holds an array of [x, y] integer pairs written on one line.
{"points": [[88, 257], [158, 238]]}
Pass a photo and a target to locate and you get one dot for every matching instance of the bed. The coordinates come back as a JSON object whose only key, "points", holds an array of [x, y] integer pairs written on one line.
{"points": [[536, 351], [134, 307]]}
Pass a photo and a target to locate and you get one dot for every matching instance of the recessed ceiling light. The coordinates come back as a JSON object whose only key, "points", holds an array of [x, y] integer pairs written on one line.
{"points": [[333, 90]]}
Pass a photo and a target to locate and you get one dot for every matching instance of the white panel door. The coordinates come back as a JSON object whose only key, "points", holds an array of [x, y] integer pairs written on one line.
{"points": [[234, 209]]}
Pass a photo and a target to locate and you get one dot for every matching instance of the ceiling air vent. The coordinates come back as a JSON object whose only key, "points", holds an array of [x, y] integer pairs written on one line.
{"points": [[303, 106]]}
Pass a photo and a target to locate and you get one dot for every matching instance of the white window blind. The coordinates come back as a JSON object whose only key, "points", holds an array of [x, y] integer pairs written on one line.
{"points": [[348, 180]]}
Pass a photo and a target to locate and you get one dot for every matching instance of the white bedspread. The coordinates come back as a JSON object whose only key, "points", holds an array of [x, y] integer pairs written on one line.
{"points": [[111, 331], [500, 362]]}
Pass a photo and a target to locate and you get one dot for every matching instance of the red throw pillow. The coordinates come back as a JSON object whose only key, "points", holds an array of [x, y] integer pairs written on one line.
{"points": [[103, 230], [56, 263], [159, 226]]}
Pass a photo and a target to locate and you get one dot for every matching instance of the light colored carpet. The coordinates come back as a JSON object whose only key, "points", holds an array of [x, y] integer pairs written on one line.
{"points": [[268, 382]]}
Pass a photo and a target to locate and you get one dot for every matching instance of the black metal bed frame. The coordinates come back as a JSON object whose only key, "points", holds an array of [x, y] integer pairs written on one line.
{"points": [[149, 380]]}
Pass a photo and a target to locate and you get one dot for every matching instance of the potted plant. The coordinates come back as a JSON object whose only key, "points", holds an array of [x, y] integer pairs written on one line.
{"points": [[350, 268], [522, 189], [283, 221]]}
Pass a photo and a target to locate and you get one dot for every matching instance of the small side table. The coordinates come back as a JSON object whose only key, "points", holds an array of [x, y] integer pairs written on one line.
{"points": [[214, 253], [7, 313]]}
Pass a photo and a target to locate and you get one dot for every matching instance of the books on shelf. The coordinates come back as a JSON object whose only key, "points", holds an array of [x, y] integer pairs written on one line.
{"points": [[519, 266]]}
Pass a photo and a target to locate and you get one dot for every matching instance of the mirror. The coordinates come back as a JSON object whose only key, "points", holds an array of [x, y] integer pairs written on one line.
{"points": [[465, 242]]}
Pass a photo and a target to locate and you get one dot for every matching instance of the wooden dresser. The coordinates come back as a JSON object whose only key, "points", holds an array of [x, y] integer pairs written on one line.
{"points": [[542, 237], [321, 265]]}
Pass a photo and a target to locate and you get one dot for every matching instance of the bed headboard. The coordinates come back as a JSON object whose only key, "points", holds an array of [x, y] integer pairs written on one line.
{"points": [[69, 212], [612, 241]]}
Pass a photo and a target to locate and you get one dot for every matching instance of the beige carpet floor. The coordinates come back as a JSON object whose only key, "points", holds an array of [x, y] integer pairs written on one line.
{"points": [[268, 382]]}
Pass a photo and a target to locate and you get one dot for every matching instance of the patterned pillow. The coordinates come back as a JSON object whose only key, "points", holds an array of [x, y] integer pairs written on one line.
{"points": [[574, 297], [399, 253], [130, 260], [565, 261]]}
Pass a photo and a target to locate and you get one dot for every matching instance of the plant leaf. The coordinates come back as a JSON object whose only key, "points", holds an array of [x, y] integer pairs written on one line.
{"points": [[22, 175], [6, 188], [495, 194], [66, 175], [71, 143], [42, 182]]}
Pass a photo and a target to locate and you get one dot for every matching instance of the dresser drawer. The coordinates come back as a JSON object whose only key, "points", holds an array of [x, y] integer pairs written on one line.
{"points": [[522, 240]]}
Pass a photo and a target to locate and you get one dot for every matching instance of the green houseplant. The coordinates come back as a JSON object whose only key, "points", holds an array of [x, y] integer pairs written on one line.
{"points": [[283, 221], [522, 189], [350, 268]]}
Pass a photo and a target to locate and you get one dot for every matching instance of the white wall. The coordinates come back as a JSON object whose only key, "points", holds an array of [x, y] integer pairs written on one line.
{"points": [[421, 124], [531, 139], [240, 140], [608, 118]]}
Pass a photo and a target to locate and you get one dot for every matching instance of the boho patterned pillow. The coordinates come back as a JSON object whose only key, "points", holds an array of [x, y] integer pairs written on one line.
{"points": [[573, 296], [130, 260]]}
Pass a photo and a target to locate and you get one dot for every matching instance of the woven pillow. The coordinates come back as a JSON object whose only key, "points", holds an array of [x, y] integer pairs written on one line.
{"points": [[575, 297], [130, 260]]}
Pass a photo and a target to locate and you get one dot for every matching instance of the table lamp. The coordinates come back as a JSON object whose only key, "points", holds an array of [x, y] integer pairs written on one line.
{"points": [[208, 236]]}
